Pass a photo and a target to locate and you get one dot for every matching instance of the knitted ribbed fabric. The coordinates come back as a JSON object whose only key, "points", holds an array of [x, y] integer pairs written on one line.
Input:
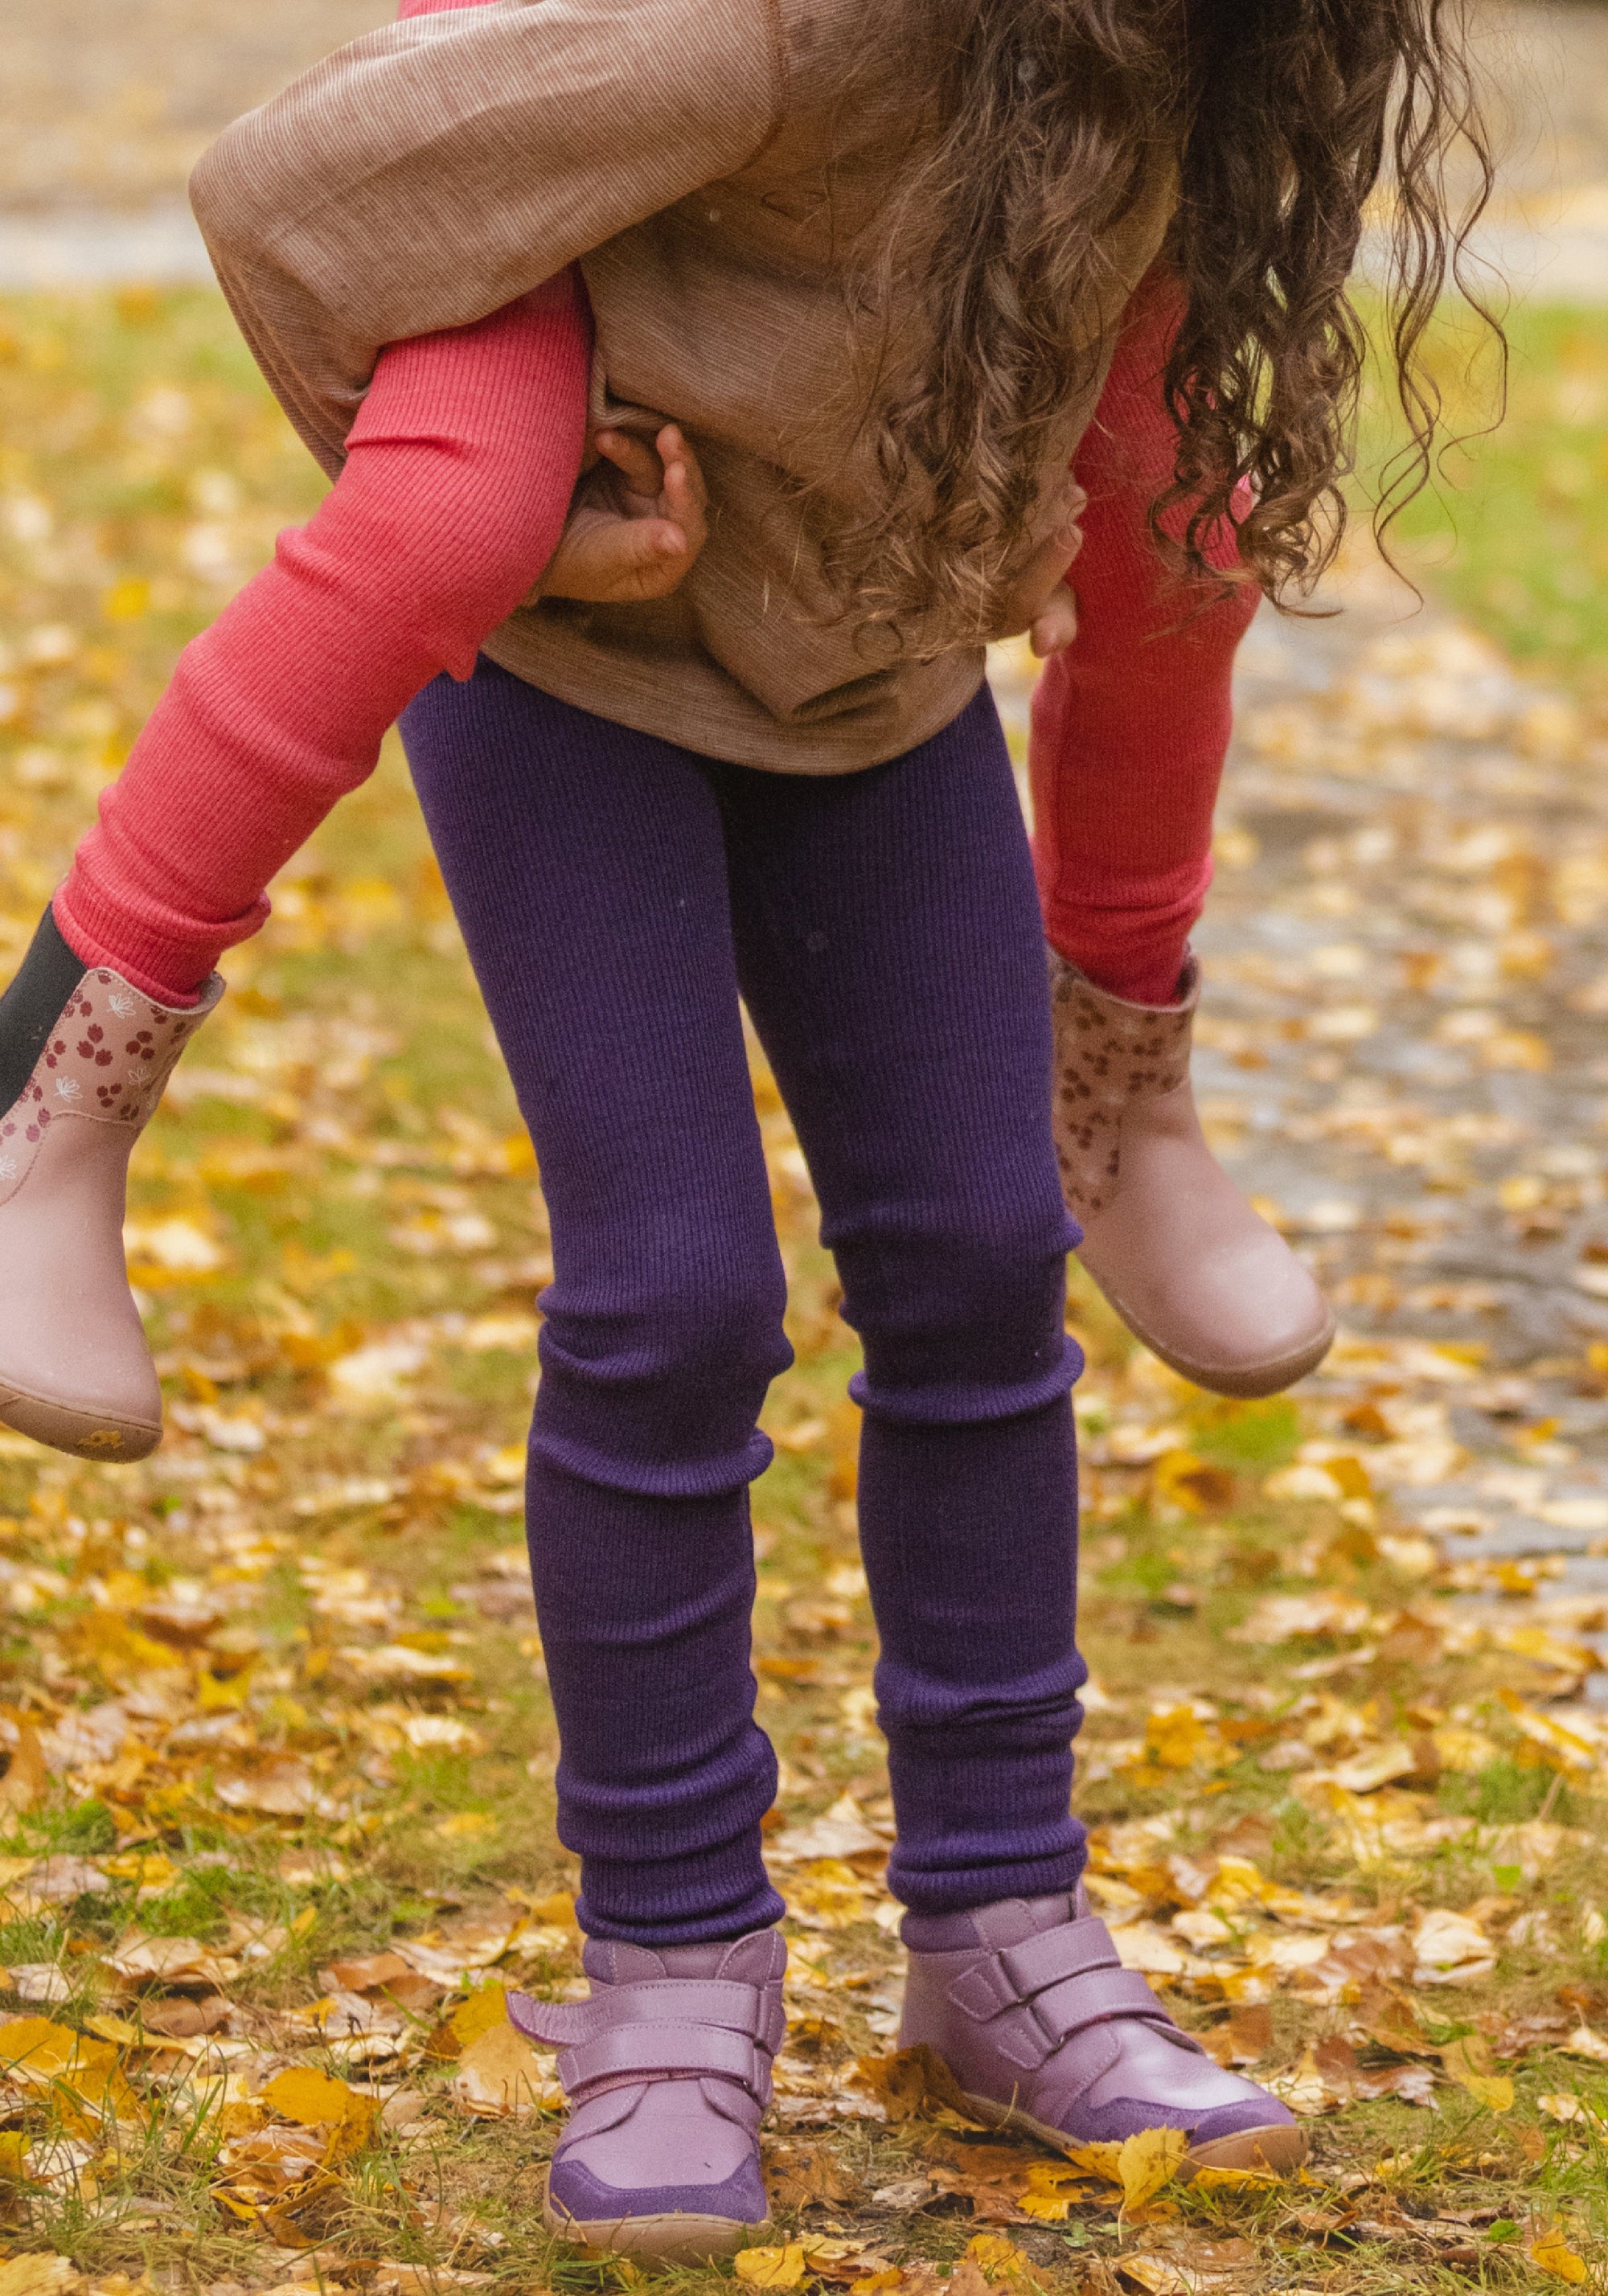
{"points": [[616, 894], [461, 463], [1131, 724], [461, 466]]}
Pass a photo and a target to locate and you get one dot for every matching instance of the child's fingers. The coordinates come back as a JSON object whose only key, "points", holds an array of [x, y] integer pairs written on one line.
{"points": [[650, 558], [1055, 625], [673, 448], [637, 464], [684, 501]]}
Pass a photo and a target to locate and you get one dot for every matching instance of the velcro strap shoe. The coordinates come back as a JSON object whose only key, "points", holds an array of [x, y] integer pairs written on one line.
{"points": [[668, 2071], [1028, 2005]]}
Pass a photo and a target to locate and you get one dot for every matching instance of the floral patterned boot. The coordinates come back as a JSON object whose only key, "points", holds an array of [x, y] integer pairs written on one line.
{"points": [[1192, 1270], [74, 1370]]}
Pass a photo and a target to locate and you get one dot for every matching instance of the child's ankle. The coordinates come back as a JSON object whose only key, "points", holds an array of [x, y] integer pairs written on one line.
{"points": [[1146, 979], [171, 983], [33, 1005]]}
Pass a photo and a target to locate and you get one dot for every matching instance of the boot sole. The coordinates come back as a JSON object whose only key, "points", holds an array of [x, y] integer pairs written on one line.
{"points": [[102, 1436], [1276, 2151], [658, 2240], [1244, 1383]]}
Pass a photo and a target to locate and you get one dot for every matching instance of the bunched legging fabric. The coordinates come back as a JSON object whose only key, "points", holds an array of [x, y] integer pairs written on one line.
{"points": [[618, 895]]}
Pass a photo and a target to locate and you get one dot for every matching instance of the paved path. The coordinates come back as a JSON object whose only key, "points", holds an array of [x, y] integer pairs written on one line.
{"points": [[1403, 1052]]}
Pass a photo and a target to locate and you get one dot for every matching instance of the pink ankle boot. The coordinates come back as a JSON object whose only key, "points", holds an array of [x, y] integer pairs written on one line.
{"points": [[1192, 1270], [1027, 2004], [668, 2071], [74, 1370]]}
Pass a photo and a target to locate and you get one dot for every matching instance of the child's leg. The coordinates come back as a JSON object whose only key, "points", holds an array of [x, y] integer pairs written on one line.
{"points": [[887, 940], [1130, 726], [461, 462], [586, 865], [892, 957], [889, 950], [1131, 723]]}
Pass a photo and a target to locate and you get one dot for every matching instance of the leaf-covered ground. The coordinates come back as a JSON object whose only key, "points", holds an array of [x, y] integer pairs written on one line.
{"points": [[278, 1813]]}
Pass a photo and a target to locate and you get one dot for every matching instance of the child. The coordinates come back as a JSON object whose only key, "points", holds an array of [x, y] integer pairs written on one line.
{"points": [[876, 261], [455, 480]]}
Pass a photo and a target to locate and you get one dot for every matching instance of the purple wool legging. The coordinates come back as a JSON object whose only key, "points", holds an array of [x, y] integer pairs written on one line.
{"points": [[618, 896]]}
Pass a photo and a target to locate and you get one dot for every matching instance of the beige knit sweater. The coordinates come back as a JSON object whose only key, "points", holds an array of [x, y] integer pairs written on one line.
{"points": [[708, 161]]}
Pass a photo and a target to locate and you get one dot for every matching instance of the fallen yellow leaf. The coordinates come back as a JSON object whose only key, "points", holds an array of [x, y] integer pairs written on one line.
{"points": [[996, 2258], [1146, 2161], [1101, 2160], [37, 2275], [1468, 2063], [37, 2053], [1549, 2250], [314, 2101], [486, 2008], [306, 2095], [1235, 2180], [771, 2267], [499, 2074]]}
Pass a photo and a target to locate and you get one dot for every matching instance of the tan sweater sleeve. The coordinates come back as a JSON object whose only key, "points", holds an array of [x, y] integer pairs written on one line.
{"points": [[433, 171]]}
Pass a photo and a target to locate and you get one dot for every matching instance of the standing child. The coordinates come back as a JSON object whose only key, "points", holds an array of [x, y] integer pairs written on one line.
{"points": [[876, 261]]}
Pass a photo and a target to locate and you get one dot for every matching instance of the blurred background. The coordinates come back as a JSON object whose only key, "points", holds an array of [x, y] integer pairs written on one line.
{"points": [[1359, 1633]]}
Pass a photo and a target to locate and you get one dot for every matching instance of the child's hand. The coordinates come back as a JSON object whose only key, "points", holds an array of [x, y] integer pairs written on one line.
{"points": [[636, 524], [1040, 602]]}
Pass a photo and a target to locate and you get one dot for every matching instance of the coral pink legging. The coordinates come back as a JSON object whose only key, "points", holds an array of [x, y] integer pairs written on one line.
{"points": [[460, 469]]}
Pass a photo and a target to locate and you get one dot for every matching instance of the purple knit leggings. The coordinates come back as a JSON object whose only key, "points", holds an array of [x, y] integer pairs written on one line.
{"points": [[618, 895]]}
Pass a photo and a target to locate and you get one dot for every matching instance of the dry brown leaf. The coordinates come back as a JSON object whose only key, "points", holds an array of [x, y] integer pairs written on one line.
{"points": [[27, 1776], [37, 2275], [1244, 2038], [178, 1961], [915, 2084], [364, 1974], [800, 2176]]}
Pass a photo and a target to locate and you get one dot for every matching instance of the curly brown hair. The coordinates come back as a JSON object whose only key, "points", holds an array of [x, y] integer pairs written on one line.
{"points": [[1040, 126]]}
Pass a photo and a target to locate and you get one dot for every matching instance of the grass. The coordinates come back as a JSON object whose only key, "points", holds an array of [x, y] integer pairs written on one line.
{"points": [[339, 1232], [1514, 531]]}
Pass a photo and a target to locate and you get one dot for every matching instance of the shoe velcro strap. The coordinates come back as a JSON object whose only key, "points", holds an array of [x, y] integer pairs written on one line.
{"points": [[1066, 1951], [1094, 1999], [722, 2003], [694, 2050], [1019, 1973]]}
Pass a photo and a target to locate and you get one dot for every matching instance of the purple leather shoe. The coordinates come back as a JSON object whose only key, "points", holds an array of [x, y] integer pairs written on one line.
{"points": [[1028, 2006], [668, 2072]]}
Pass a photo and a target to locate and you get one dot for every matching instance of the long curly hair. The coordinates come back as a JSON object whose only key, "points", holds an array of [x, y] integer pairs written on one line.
{"points": [[1037, 126]]}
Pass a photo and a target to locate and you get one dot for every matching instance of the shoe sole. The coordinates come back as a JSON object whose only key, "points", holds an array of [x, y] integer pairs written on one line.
{"points": [[658, 2240], [1276, 2151], [1244, 1383], [84, 1434]]}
